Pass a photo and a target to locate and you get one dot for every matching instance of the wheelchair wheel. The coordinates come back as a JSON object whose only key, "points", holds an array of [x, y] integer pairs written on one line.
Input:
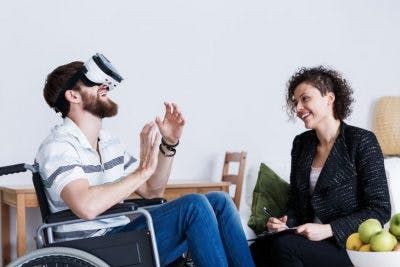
{"points": [[58, 257]]}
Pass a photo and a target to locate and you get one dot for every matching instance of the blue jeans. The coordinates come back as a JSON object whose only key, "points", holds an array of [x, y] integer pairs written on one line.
{"points": [[207, 225]]}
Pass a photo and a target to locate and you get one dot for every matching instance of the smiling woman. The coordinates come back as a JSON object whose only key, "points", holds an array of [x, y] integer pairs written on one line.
{"points": [[326, 81], [311, 106], [337, 177]]}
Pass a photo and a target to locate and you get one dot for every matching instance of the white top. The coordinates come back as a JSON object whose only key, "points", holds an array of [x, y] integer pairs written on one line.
{"points": [[66, 155], [314, 174]]}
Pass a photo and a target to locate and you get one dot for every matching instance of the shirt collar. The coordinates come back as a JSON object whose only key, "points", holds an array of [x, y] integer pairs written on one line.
{"points": [[74, 130]]}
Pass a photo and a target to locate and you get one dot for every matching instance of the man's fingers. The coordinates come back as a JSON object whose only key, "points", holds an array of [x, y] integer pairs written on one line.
{"points": [[178, 114], [148, 134], [147, 138], [146, 129], [176, 110], [182, 120], [173, 111], [168, 108], [151, 150], [143, 140], [152, 133], [157, 140], [145, 160], [158, 121], [154, 144]]}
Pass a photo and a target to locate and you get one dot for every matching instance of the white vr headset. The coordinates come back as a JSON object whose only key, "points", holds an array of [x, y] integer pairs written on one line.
{"points": [[97, 70]]}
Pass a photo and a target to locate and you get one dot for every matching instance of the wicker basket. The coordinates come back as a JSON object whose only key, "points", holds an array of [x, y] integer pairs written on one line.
{"points": [[387, 124]]}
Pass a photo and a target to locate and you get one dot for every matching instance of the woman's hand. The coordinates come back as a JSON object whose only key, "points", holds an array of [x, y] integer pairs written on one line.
{"points": [[315, 231], [276, 225], [150, 139], [171, 126]]}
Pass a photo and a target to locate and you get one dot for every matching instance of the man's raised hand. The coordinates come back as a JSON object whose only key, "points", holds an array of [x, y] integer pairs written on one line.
{"points": [[171, 126], [150, 139]]}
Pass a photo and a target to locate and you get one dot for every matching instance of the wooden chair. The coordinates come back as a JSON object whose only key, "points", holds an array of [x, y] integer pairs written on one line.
{"points": [[236, 179]]}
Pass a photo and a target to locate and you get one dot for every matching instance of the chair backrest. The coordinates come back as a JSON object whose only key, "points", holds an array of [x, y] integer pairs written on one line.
{"points": [[41, 196], [236, 179]]}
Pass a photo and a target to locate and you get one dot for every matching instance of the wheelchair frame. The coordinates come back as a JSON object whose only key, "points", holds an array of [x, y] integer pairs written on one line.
{"points": [[75, 253]]}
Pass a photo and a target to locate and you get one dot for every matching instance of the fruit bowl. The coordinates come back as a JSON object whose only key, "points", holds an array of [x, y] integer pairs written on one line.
{"points": [[374, 259]]}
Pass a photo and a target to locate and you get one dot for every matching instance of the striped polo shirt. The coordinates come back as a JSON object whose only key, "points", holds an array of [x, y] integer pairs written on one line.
{"points": [[66, 155]]}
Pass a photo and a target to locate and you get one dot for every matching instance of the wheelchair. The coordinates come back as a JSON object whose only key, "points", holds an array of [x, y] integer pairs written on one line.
{"points": [[137, 248]]}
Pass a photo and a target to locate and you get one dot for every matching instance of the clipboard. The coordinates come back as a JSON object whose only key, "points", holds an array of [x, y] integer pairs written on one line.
{"points": [[267, 233]]}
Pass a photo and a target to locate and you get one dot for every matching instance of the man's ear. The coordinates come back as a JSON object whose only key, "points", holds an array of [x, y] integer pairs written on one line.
{"points": [[72, 96]]}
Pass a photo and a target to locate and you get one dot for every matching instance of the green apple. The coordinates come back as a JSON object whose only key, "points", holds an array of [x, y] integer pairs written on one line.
{"points": [[383, 241], [368, 228], [395, 225]]}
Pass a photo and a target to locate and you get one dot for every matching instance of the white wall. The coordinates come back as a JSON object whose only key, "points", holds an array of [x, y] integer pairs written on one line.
{"points": [[225, 62]]}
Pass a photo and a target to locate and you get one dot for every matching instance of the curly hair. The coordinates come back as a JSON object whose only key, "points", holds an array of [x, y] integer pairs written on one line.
{"points": [[325, 80]]}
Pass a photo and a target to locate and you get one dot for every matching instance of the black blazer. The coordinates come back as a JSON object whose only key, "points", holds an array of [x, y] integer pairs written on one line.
{"points": [[352, 185]]}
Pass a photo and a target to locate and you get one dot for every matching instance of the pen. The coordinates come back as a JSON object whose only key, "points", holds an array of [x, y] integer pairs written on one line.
{"points": [[266, 211], [270, 214]]}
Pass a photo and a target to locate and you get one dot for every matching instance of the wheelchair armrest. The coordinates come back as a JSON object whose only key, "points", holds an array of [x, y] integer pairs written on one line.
{"points": [[68, 215], [143, 202]]}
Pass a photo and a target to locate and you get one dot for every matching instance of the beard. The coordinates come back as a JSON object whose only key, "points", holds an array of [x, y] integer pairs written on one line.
{"points": [[98, 107]]}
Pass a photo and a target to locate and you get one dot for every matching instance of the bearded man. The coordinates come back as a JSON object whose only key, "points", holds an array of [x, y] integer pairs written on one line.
{"points": [[86, 169]]}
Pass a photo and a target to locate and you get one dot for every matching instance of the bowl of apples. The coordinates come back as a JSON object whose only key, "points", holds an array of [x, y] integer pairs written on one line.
{"points": [[374, 246]]}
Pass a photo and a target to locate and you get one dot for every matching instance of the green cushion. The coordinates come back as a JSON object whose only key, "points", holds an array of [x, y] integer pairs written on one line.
{"points": [[271, 192]]}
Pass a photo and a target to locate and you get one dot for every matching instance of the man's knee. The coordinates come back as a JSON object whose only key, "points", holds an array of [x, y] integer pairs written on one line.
{"points": [[196, 201], [194, 198], [218, 195], [220, 199]]}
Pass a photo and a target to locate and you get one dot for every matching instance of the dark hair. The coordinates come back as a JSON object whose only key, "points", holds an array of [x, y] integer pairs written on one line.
{"points": [[325, 80], [54, 86]]}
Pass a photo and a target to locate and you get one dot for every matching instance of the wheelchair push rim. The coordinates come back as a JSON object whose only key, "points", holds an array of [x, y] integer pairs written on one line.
{"points": [[58, 256]]}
